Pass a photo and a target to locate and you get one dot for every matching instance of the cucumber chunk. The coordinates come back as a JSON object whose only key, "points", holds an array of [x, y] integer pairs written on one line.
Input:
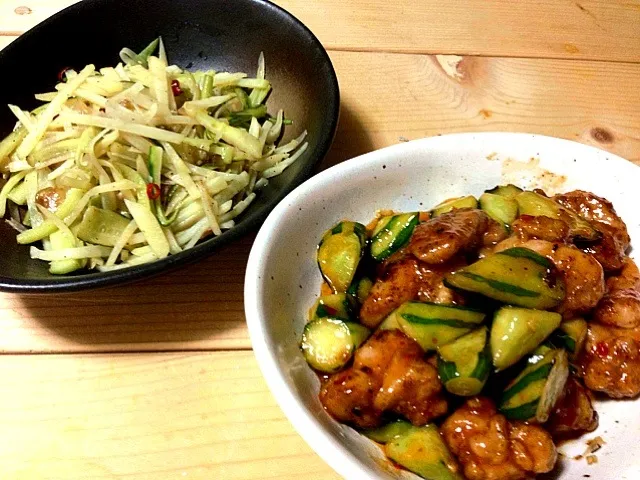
{"points": [[388, 432], [390, 323], [339, 254], [422, 451], [516, 332], [432, 325], [464, 364], [571, 335], [337, 305], [102, 227], [62, 239], [360, 289], [517, 276], [502, 209], [359, 333], [532, 395], [448, 205], [508, 191], [328, 343], [391, 234]]}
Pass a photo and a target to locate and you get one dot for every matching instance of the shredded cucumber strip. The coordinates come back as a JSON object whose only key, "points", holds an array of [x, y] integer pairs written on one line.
{"points": [[128, 127], [53, 109], [11, 183], [23, 117], [149, 226], [207, 206], [121, 242], [74, 253], [182, 170], [57, 221], [109, 187]]}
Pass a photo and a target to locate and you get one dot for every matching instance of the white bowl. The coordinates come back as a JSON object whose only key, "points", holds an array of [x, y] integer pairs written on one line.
{"points": [[282, 279]]}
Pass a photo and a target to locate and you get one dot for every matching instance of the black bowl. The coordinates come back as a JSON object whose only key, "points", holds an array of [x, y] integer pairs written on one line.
{"points": [[198, 34]]}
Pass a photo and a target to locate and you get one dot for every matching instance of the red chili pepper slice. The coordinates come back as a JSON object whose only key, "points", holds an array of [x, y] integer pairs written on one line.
{"points": [[153, 191], [330, 310], [175, 88], [602, 349], [61, 74]]}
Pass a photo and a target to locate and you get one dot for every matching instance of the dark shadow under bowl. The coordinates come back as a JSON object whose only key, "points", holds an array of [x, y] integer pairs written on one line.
{"points": [[198, 34]]}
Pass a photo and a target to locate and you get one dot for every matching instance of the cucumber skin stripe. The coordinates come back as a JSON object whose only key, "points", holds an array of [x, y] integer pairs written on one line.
{"points": [[447, 322], [501, 286], [538, 374]]}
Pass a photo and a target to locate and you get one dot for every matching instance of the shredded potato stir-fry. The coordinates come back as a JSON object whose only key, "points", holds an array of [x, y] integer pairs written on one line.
{"points": [[128, 164]]}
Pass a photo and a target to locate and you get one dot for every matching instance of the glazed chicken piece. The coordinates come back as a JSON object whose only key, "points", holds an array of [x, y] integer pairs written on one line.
{"points": [[411, 388], [407, 279], [440, 239], [583, 275], [375, 355], [389, 373], [348, 396], [629, 277], [539, 227], [494, 233], [611, 250], [619, 308], [610, 362], [491, 448], [398, 284], [432, 287], [574, 413]]}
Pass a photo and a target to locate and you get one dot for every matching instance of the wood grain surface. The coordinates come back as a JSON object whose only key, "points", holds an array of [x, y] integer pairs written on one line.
{"points": [[124, 383], [587, 29], [205, 416]]}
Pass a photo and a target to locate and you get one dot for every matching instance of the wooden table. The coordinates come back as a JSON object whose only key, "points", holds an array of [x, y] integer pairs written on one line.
{"points": [[115, 386]]}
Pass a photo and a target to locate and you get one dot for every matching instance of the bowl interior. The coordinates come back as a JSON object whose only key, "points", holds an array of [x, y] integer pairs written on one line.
{"points": [[198, 34], [283, 280]]}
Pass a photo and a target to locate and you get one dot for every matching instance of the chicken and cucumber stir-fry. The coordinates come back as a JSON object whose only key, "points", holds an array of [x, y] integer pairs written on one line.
{"points": [[128, 164], [468, 339]]}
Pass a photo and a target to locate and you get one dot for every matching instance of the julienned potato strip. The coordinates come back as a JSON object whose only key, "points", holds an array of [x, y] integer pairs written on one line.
{"points": [[128, 164]]}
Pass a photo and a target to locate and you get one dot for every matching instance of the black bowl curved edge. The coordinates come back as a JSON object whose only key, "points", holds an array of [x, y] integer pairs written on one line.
{"points": [[198, 34]]}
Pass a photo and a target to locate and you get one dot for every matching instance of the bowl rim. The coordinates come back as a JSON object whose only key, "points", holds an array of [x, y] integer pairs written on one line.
{"points": [[84, 281], [345, 463]]}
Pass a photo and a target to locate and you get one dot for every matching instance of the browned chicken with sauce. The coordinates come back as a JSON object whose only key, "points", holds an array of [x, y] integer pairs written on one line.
{"points": [[407, 279], [348, 396], [619, 308], [611, 250], [489, 447], [539, 227], [494, 233], [376, 353], [411, 388], [629, 277], [399, 283], [389, 373], [583, 277], [440, 239], [611, 360]]}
